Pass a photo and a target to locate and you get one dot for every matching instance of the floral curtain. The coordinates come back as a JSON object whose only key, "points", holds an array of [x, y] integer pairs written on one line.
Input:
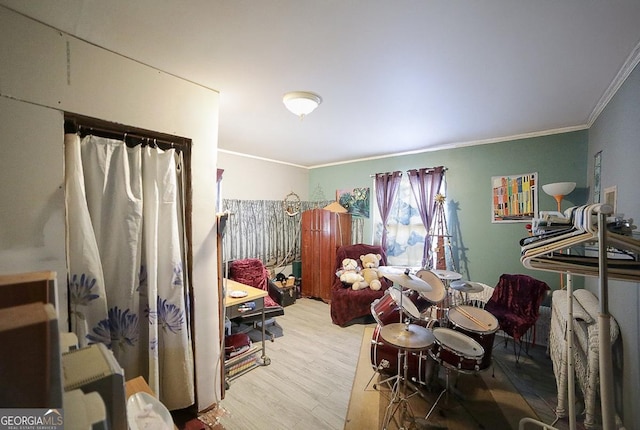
{"points": [[125, 257]]}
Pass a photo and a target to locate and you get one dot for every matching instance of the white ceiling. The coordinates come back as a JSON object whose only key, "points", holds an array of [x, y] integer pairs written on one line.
{"points": [[396, 76]]}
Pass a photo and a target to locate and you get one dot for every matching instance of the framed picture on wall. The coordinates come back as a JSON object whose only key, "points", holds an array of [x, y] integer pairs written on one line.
{"points": [[355, 201], [597, 167], [514, 198]]}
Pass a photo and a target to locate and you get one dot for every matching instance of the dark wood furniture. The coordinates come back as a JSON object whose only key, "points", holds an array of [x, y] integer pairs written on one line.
{"points": [[323, 232]]}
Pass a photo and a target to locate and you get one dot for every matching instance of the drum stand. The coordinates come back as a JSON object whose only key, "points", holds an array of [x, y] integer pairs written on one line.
{"points": [[446, 391], [399, 401], [405, 337], [442, 393]]}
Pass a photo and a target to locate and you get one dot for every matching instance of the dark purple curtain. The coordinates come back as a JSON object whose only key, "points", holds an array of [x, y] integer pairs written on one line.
{"points": [[425, 184], [386, 187]]}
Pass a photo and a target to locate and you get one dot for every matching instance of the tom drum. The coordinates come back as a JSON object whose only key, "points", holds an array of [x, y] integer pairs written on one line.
{"points": [[386, 310], [478, 324], [437, 293]]}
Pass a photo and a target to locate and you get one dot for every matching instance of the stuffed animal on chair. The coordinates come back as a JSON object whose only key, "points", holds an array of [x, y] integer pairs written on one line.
{"points": [[349, 273], [370, 264]]}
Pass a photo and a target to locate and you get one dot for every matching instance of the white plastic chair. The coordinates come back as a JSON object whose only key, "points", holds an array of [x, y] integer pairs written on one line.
{"points": [[481, 298]]}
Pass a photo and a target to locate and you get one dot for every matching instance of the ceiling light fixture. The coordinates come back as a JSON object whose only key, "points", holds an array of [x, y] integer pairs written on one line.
{"points": [[301, 103]]}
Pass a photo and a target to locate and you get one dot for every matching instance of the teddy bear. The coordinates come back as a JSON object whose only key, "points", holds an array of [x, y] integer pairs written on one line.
{"points": [[370, 264], [349, 273]]}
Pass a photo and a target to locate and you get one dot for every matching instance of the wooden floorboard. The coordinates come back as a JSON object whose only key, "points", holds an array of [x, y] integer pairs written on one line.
{"points": [[309, 381]]}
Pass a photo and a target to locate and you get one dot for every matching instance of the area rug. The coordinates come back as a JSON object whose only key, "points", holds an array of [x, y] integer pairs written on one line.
{"points": [[485, 400]]}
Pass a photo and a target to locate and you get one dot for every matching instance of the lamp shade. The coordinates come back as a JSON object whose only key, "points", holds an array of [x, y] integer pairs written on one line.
{"points": [[301, 103], [559, 188]]}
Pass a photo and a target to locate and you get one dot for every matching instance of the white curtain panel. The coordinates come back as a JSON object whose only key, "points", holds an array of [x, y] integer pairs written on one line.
{"points": [[87, 298], [131, 230], [405, 230]]}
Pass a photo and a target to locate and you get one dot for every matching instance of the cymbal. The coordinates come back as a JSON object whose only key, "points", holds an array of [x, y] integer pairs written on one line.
{"points": [[467, 286], [447, 274], [406, 280], [407, 336]]}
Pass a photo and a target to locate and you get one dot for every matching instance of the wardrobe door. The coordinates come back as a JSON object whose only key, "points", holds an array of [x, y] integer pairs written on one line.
{"points": [[310, 252], [322, 233]]}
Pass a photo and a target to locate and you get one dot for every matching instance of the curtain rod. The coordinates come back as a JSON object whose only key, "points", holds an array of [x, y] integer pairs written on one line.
{"points": [[428, 168], [73, 126]]}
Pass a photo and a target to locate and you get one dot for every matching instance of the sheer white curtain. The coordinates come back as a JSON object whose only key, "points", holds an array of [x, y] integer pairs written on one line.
{"points": [[405, 231], [125, 259], [408, 219]]}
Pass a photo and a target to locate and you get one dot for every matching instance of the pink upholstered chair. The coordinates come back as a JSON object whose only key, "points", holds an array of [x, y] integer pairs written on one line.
{"points": [[346, 303], [252, 272]]}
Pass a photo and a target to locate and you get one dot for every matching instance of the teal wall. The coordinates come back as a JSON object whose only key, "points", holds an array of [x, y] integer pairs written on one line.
{"points": [[483, 250]]}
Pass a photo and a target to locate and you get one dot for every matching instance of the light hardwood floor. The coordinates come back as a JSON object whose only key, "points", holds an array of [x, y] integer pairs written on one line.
{"points": [[309, 381]]}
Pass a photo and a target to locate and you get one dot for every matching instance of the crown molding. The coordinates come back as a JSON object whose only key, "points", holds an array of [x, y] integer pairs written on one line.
{"points": [[632, 61]]}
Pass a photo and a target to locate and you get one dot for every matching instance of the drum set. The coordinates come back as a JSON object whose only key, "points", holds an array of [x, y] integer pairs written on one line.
{"points": [[423, 324]]}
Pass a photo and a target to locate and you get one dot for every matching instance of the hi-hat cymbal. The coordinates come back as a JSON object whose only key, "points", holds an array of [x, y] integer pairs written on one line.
{"points": [[407, 336], [406, 280], [467, 286], [447, 274]]}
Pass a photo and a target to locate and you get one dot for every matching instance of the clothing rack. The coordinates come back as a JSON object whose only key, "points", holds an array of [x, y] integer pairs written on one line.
{"points": [[538, 255]]}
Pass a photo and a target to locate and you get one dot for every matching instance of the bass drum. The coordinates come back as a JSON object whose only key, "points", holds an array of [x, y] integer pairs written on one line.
{"points": [[384, 359], [478, 324]]}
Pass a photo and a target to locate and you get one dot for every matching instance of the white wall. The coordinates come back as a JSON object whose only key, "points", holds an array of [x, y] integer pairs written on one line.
{"points": [[616, 133], [36, 86], [247, 178], [32, 225]]}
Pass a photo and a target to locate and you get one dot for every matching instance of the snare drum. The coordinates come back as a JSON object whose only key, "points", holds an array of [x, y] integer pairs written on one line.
{"points": [[478, 324], [457, 351], [384, 359], [386, 310]]}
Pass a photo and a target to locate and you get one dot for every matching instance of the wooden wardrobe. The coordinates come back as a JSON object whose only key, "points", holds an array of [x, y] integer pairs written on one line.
{"points": [[322, 233]]}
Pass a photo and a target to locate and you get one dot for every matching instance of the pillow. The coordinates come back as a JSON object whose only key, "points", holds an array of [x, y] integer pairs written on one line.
{"points": [[580, 313], [589, 304]]}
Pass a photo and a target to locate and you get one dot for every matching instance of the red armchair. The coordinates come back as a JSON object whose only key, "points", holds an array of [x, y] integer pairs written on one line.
{"points": [[346, 303], [516, 303]]}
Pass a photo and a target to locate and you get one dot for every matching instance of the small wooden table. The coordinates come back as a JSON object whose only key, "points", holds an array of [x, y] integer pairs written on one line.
{"points": [[237, 306]]}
